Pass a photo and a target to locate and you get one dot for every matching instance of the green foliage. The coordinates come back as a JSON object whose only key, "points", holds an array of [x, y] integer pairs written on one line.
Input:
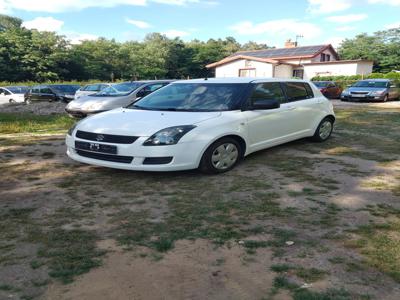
{"points": [[30, 55], [383, 47]]}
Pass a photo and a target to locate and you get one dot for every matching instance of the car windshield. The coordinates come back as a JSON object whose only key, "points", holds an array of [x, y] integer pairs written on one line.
{"points": [[321, 83], [119, 89], [94, 87], [371, 84], [17, 89], [194, 97], [68, 89]]}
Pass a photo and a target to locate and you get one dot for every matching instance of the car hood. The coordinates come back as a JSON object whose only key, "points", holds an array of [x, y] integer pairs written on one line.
{"points": [[90, 102], [365, 89], [134, 122]]}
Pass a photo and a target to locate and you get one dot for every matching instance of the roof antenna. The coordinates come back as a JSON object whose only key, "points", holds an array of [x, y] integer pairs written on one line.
{"points": [[297, 37]]}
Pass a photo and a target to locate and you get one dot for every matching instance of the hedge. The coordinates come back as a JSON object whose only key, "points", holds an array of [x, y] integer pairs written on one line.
{"points": [[344, 81]]}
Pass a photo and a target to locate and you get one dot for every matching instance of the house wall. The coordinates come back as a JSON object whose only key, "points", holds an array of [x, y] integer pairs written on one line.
{"points": [[346, 69], [283, 71], [232, 69]]}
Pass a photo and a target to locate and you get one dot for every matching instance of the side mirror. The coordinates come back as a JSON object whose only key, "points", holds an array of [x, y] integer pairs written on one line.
{"points": [[264, 104], [393, 86]]}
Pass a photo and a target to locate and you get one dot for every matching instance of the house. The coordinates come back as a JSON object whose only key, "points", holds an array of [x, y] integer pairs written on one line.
{"points": [[291, 61]]}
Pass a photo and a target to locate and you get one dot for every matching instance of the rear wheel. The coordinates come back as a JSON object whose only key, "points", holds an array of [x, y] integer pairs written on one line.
{"points": [[28, 101], [12, 101], [324, 130], [221, 156]]}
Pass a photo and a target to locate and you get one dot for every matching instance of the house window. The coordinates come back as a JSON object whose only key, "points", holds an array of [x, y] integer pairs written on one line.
{"points": [[323, 56], [247, 72], [298, 73]]}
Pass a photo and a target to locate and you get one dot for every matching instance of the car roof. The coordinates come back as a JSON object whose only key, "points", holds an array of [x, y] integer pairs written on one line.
{"points": [[238, 80]]}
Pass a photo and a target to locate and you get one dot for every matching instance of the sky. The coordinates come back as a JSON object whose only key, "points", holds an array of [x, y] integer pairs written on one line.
{"points": [[262, 21]]}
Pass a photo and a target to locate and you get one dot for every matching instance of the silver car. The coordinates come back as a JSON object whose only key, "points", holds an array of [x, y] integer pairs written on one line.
{"points": [[114, 96], [90, 89]]}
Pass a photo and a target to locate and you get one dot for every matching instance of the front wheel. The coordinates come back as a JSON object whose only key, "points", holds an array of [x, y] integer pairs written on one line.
{"points": [[221, 156], [324, 130], [386, 98]]}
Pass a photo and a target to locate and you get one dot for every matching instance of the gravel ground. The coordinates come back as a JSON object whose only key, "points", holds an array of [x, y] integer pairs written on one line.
{"points": [[49, 108], [39, 108]]}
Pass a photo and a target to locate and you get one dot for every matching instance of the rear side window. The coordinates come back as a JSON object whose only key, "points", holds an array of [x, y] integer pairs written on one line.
{"points": [[36, 89], [296, 91], [45, 90], [268, 91]]}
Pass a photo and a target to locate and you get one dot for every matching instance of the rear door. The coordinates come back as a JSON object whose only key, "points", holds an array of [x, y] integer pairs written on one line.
{"points": [[34, 94], [393, 90], [306, 109]]}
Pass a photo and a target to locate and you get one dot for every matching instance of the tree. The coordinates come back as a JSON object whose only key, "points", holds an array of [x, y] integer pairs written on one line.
{"points": [[8, 22]]}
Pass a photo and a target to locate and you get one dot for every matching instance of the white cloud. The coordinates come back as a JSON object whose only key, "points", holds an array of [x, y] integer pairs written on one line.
{"points": [[346, 28], [335, 41], [325, 7], [44, 24], [393, 25], [56, 6], [51, 24], [347, 18], [286, 27], [137, 23], [389, 2], [173, 33]]}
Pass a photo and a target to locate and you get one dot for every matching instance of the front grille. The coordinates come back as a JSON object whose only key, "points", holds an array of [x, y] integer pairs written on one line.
{"points": [[359, 93], [106, 138], [106, 157], [157, 160]]}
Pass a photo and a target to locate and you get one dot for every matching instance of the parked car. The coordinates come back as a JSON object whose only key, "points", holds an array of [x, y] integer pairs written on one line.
{"points": [[371, 89], [114, 96], [90, 89], [209, 124], [51, 92], [9, 94], [329, 89]]}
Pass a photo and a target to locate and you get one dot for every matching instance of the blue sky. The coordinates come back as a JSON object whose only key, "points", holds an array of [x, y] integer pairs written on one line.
{"points": [[271, 22]]}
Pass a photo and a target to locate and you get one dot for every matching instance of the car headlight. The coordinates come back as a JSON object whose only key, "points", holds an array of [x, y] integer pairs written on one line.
{"points": [[94, 106], [168, 136], [345, 92], [377, 93], [71, 130]]}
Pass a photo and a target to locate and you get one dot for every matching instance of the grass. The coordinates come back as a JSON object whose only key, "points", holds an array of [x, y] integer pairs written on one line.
{"points": [[69, 253], [380, 245], [309, 275], [30, 123]]}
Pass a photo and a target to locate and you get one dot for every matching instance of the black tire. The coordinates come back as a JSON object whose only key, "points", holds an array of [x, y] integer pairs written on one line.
{"points": [[386, 98], [28, 101], [11, 101], [206, 163], [323, 131]]}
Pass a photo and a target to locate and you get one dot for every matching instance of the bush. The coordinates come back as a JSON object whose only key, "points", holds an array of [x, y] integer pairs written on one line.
{"points": [[344, 81]]}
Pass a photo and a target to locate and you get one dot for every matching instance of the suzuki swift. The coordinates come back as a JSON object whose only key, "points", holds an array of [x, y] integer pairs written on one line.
{"points": [[210, 124]]}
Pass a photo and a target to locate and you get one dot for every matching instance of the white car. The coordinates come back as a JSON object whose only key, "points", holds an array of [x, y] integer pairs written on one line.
{"points": [[12, 94], [90, 89], [210, 124], [114, 96]]}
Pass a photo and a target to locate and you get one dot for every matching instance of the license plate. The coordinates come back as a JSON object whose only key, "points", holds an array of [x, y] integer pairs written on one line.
{"points": [[96, 147], [359, 95]]}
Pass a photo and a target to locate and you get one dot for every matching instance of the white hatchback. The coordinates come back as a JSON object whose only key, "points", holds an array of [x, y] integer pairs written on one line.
{"points": [[210, 124]]}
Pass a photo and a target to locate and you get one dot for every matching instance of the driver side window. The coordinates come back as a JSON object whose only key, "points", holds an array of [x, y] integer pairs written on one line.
{"points": [[268, 91]]}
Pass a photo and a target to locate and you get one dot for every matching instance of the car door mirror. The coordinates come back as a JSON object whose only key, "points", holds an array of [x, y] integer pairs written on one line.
{"points": [[393, 86], [263, 104]]}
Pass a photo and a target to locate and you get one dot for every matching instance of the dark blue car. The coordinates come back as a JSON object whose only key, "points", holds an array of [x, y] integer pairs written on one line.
{"points": [[371, 90]]}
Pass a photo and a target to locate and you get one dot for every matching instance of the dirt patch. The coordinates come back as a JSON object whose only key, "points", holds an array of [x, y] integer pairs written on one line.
{"points": [[193, 270]]}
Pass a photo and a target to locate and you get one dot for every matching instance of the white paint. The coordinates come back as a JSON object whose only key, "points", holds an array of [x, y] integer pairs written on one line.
{"points": [[231, 69], [346, 69]]}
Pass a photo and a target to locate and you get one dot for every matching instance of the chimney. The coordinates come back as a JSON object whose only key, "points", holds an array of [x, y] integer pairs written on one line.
{"points": [[290, 44]]}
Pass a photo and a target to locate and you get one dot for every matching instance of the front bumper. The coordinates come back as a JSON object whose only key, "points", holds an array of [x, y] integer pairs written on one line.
{"points": [[185, 156], [360, 99]]}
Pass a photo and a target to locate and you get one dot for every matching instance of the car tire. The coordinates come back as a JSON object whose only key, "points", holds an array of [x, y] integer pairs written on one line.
{"points": [[386, 98], [221, 156], [28, 101], [323, 131], [12, 101]]}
